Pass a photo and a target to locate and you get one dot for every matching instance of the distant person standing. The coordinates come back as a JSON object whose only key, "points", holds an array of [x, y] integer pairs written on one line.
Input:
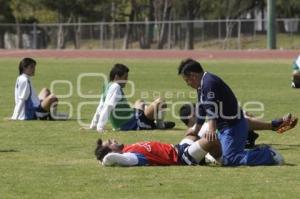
{"points": [[29, 106], [296, 73]]}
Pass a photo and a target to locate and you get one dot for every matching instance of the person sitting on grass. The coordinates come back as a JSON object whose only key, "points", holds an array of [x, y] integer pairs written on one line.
{"points": [[113, 106], [296, 73], [29, 106], [187, 114]]}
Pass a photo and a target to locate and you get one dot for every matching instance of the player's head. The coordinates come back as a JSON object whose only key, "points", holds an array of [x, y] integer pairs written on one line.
{"points": [[27, 66], [108, 146], [187, 114], [191, 71], [119, 74]]}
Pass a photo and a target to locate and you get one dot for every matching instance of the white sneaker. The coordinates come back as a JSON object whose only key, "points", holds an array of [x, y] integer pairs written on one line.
{"points": [[211, 160], [277, 156]]}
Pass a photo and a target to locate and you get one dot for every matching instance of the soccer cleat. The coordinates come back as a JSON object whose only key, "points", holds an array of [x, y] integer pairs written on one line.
{"points": [[295, 85], [165, 125], [169, 125], [250, 142], [284, 124], [279, 160]]}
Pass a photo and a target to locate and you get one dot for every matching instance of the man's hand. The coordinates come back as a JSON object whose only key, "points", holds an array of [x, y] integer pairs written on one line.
{"points": [[193, 131], [210, 136]]}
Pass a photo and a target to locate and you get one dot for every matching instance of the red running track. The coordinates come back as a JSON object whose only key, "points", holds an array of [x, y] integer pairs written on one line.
{"points": [[163, 54]]}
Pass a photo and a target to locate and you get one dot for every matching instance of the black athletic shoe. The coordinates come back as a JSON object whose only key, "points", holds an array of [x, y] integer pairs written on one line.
{"points": [[250, 142], [168, 125], [295, 85]]}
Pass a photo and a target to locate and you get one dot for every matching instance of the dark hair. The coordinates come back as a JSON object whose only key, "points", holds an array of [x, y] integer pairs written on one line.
{"points": [[101, 151], [24, 63], [118, 69], [185, 112], [189, 65]]}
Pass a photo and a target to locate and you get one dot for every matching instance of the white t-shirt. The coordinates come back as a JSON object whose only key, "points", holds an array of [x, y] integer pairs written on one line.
{"points": [[25, 98], [113, 96], [297, 62]]}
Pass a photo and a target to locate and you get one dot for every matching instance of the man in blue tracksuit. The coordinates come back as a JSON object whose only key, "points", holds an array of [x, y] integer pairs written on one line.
{"points": [[219, 106]]}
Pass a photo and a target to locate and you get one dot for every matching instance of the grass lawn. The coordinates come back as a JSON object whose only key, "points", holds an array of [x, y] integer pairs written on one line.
{"points": [[44, 159]]}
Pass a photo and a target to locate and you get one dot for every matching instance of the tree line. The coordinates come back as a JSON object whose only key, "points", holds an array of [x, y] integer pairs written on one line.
{"points": [[79, 11]]}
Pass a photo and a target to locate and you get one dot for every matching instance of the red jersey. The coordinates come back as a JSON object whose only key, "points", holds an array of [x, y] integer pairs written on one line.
{"points": [[155, 152]]}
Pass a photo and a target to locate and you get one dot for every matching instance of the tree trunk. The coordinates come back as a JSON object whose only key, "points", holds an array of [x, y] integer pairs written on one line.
{"points": [[150, 27], [19, 35], [1, 38], [60, 37], [189, 39], [78, 34], [166, 17], [128, 32]]}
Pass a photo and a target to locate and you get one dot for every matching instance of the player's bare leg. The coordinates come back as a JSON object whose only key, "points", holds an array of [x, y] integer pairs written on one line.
{"points": [[44, 93]]}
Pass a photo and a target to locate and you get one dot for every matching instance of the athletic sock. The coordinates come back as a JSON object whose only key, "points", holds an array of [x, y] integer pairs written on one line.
{"points": [[196, 152]]}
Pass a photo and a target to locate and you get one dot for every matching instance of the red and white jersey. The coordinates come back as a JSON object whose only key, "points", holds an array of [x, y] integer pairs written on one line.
{"points": [[155, 152]]}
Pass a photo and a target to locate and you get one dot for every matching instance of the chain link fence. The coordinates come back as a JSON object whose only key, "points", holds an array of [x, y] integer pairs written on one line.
{"points": [[197, 34]]}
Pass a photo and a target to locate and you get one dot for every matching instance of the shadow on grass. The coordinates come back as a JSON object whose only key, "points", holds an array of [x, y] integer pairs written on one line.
{"points": [[8, 150], [286, 146], [290, 165]]}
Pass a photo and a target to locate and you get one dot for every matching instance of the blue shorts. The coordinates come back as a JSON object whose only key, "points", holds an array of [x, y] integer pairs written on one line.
{"points": [[233, 141], [32, 112], [138, 122], [184, 157]]}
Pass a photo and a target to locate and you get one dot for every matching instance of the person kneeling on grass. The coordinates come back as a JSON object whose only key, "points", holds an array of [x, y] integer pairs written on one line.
{"points": [[187, 114], [29, 106], [296, 73], [219, 106], [113, 106]]}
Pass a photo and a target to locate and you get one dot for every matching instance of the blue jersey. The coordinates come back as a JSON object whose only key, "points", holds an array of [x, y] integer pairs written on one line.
{"points": [[217, 101]]}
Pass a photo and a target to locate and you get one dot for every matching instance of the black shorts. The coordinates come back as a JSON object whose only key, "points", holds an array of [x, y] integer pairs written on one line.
{"points": [[138, 122]]}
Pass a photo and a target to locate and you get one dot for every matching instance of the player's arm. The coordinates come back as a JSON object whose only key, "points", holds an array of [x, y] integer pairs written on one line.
{"points": [[95, 119], [23, 95], [211, 135], [193, 131], [118, 159], [112, 98], [211, 107], [200, 114]]}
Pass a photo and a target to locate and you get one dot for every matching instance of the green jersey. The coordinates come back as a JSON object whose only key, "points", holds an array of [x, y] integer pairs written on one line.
{"points": [[122, 111]]}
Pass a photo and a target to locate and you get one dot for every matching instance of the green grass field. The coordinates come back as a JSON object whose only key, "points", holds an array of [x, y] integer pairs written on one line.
{"points": [[44, 159]]}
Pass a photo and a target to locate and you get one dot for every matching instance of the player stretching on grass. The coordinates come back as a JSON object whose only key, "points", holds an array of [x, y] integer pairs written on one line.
{"points": [[113, 106], [218, 104], [188, 117], [29, 106]]}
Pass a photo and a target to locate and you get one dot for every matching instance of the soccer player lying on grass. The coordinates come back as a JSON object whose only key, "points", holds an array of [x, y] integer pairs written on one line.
{"points": [[296, 73], [189, 151], [287, 122], [29, 106], [113, 106]]}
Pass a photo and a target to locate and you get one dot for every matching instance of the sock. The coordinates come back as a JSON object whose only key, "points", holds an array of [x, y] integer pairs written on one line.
{"points": [[160, 119], [196, 152]]}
